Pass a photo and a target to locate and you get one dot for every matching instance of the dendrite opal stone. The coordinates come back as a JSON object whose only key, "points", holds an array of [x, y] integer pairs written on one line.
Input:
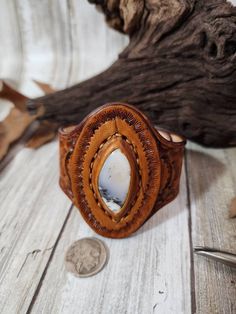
{"points": [[114, 180]]}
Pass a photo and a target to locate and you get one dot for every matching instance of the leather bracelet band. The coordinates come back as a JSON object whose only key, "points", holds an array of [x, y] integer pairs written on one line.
{"points": [[155, 158]]}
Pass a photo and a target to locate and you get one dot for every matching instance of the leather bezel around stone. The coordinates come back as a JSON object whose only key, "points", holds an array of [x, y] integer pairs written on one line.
{"points": [[109, 127]]}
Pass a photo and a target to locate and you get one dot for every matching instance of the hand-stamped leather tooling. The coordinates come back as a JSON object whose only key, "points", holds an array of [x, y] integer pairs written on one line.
{"points": [[154, 158]]}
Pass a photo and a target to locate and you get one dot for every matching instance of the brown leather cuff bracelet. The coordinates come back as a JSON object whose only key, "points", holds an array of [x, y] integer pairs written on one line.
{"points": [[118, 169]]}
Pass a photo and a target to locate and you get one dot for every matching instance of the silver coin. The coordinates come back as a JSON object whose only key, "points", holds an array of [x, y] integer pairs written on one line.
{"points": [[86, 257]]}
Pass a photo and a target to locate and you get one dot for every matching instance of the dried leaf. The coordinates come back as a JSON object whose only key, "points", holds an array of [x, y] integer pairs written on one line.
{"points": [[18, 120], [232, 208], [12, 128], [14, 96], [45, 133], [46, 88]]}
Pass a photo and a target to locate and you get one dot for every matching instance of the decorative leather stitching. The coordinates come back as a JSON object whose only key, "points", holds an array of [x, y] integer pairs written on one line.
{"points": [[139, 173]]}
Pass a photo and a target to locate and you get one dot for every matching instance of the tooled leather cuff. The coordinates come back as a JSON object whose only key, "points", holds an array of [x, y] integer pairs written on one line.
{"points": [[118, 169]]}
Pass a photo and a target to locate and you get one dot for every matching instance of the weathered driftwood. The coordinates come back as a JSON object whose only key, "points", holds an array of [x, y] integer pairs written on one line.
{"points": [[179, 68]]}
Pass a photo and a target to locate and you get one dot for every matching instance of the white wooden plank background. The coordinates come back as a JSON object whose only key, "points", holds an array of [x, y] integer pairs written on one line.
{"points": [[150, 272], [212, 178], [53, 42], [32, 214], [147, 273]]}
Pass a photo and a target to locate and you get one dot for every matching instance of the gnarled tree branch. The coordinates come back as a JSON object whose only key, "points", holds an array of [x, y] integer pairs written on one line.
{"points": [[179, 68]]}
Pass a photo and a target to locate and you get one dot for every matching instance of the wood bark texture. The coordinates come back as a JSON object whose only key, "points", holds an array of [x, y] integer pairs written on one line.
{"points": [[179, 68]]}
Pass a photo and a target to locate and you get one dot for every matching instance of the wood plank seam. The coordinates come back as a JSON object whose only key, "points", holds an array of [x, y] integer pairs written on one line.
{"points": [[37, 290], [192, 271], [211, 186], [65, 294]]}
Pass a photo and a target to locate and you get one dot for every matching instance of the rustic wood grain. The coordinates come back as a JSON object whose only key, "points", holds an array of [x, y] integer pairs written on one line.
{"points": [[179, 68], [32, 214], [146, 273], [212, 184]]}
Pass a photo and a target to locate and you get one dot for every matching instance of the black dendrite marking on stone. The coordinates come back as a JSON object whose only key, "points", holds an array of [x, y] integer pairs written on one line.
{"points": [[105, 193]]}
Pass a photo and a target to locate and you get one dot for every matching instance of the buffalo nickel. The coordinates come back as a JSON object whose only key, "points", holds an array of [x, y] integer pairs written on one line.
{"points": [[86, 257]]}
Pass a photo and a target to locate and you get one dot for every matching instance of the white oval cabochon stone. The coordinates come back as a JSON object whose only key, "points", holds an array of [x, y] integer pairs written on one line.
{"points": [[114, 180]]}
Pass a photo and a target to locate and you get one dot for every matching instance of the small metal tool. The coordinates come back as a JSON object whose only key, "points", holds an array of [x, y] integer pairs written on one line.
{"points": [[217, 255]]}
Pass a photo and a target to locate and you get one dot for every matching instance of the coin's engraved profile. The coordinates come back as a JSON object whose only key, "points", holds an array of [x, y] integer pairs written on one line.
{"points": [[86, 257]]}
